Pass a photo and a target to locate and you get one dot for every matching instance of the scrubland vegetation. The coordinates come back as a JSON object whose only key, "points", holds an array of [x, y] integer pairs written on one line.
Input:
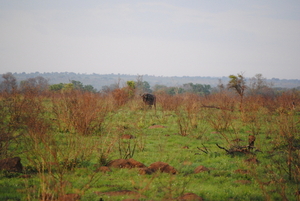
{"points": [[238, 143]]}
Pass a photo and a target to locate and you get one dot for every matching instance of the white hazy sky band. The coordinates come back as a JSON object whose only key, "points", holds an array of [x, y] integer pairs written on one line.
{"points": [[169, 38]]}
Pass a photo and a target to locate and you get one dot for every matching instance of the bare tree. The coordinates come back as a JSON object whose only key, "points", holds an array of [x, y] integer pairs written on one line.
{"points": [[258, 85], [9, 84], [39, 84]]}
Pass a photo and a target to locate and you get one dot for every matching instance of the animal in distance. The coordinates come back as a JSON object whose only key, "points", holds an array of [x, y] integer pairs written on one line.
{"points": [[149, 99]]}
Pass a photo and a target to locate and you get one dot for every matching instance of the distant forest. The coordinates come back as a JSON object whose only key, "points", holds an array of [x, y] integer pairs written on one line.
{"points": [[102, 81]]}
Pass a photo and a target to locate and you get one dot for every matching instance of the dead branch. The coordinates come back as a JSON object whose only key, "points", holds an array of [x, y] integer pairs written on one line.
{"points": [[223, 148], [216, 107], [205, 150]]}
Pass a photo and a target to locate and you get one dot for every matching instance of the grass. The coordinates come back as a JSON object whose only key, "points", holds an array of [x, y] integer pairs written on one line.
{"points": [[62, 157]]}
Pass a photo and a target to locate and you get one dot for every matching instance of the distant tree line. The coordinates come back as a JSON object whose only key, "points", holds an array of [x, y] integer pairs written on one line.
{"points": [[40, 84], [100, 80], [257, 85]]}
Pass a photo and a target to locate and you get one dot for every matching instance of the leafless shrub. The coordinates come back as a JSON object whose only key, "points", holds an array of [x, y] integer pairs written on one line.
{"points": [[82, 112], [121, 96], [169, 102]]}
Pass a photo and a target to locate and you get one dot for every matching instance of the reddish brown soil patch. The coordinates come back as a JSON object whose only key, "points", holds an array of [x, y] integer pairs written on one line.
{"points": [[103, 169], [252, 160], [127, 136], [125, 163], [190, 196], [243, 181], [200, 168], [11, 164], [163, 167], [240, 171], [145, 170], [135, 163], [157, 126], [69, 197], [185, 147]]}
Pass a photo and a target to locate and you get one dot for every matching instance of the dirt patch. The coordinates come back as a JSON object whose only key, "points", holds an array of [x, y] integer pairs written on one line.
{"points": [[127, 136], [252, 160], [125, 163], [103, 169], [162, 167], [157, 126], [190, 196], [200, 168], [145, 170], [135, 163]]}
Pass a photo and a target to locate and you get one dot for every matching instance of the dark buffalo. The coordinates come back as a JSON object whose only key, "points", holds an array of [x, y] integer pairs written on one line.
{"points": [[149, 99]]}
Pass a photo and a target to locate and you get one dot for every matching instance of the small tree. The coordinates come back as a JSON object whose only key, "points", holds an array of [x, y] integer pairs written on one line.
{"points": [[77, 85], [131, 88], [238, 84], [56, 87]]}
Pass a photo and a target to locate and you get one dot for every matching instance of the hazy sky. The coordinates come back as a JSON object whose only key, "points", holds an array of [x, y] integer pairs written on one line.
{"points": [[165, 37]]}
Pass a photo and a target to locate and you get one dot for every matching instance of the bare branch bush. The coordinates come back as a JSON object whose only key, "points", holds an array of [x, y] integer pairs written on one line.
{"points": [[253, 113], [81, 112], [284, 154], [53, 156], [120, 96], [11, 117], [169, 102]]}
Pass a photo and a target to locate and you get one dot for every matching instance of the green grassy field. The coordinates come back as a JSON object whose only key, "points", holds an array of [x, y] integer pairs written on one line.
{"points": [[63, 139]]}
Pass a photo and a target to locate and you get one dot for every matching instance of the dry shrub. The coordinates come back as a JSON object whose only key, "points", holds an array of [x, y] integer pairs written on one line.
{"points": [[253, 113], [136, 103], [82, 112], [223, 101], [282, 102], [287, 101], [52, 156], [11, 120], [169, 102], [186, 110], [183, 122], [190, 115], [121, 96], [221, 120]]}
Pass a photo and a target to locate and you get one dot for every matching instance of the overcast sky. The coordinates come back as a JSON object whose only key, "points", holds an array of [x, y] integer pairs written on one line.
{"points": [[165, 37]]}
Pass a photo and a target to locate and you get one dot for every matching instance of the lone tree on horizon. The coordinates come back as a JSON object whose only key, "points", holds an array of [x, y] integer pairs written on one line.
{"points": [[239, 85]]}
